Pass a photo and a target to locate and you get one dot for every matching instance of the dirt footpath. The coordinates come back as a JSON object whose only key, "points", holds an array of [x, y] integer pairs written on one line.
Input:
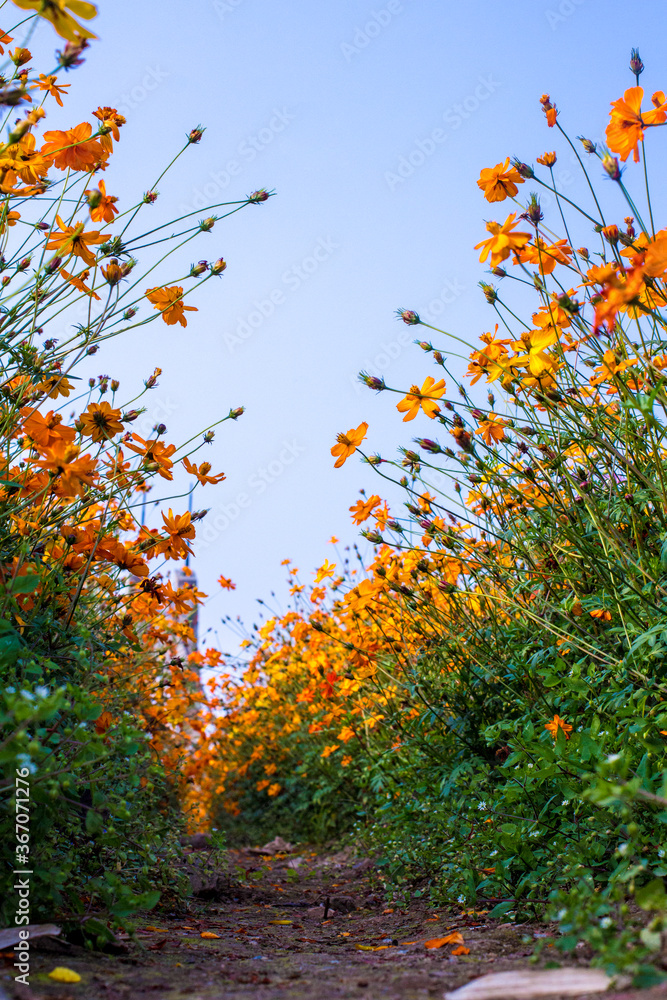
{"points": [[290, 926]]}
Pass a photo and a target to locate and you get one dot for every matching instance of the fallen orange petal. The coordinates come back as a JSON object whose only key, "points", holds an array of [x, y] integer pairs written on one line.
{"points": [[455, 938], [461, 950], [209, 934]]}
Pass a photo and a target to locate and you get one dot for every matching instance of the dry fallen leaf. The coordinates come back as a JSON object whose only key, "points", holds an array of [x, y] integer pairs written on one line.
{"points": [[209, 934], [386, 911], [371, 947], [282, 922], [160, 930], [10, 936], [62, 975], [530, 984], [454, 938]]}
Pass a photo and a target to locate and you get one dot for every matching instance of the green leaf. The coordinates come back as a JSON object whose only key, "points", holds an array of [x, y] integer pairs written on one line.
{"points": [[93, 822], [652, 895], [502, 908], [25, 584]]}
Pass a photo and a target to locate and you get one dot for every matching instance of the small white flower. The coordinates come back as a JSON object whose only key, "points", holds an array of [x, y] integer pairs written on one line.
{"points": [[481, 805], [613, 757], [606, 922], [460, 899]]}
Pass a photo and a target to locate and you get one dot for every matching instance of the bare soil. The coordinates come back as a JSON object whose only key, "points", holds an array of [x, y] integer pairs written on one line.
{"points": [[289, 927]]}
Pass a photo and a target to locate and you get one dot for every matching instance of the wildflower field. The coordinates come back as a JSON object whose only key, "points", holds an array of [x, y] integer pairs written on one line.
{"points": [[475, 695]]}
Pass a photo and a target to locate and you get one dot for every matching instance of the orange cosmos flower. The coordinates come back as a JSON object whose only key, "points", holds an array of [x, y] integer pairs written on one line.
{"points": [[556, 724], [56, 385], [5, 39], [57, 12], [156, 455], [73, 240], [547, 159], [45, 429], [202, 473], [423, 399], [492, 429], [549, 110], [325, 570], [363, 509], [71, 473], [73, 148], [21, 160], [169, 301], [50, 84], [79, 282], [100, 421], [503, 241], [544, 256], [226, 584], [627, 121], [499, 182], [102, 206], [347, 444], [602, 614], [8, 218], [111, 122], [178, 528]]}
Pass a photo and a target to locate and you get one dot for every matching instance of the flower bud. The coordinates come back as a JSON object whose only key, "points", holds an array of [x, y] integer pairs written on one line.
{"points": [[206, 225], [438, 357], [499, 272], [218, 266], [5, 281], [24, 264], [196, 134], [131, 415], [611, 166], [160, 429], [43, 226], [236, 413], [588, 144], [208, 437], [70, 56], [424, 344], [491, 398], [490, 293], [91, 383], [533, 213], [53, 265], [372, 381], [523, 169], [93, 350], [115, 385], [94, 198], [258, 196], [611, 234], [408, 316], [428, 445], [200, 268], [477, 414], [150, 197], [636, 65], [129, 313]]}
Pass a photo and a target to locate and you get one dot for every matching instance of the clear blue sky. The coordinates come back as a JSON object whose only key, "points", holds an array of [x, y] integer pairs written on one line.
{"points": [[372, 122]]}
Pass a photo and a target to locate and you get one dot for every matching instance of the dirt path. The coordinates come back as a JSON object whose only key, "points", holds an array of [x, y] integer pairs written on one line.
{"points": [[297, 926]]}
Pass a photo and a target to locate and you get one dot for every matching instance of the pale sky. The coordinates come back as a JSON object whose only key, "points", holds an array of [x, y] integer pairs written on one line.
{"points": [[372, 122]]}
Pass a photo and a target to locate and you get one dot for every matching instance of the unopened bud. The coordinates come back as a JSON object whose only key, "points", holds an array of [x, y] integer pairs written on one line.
{"points": [[206, 225], [131, 415], [611, 166], [160, 429], [150, 197], [53, 265], [236, 413], [208, 437], [611, 234], [129, 313], [636, 65], [428, 445], [372, 381], [490, 293], [409, 316], [258, 196], [196, 134], [523, 169], [93, 350], [199, 268], [218, 266], [588, 144]]}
